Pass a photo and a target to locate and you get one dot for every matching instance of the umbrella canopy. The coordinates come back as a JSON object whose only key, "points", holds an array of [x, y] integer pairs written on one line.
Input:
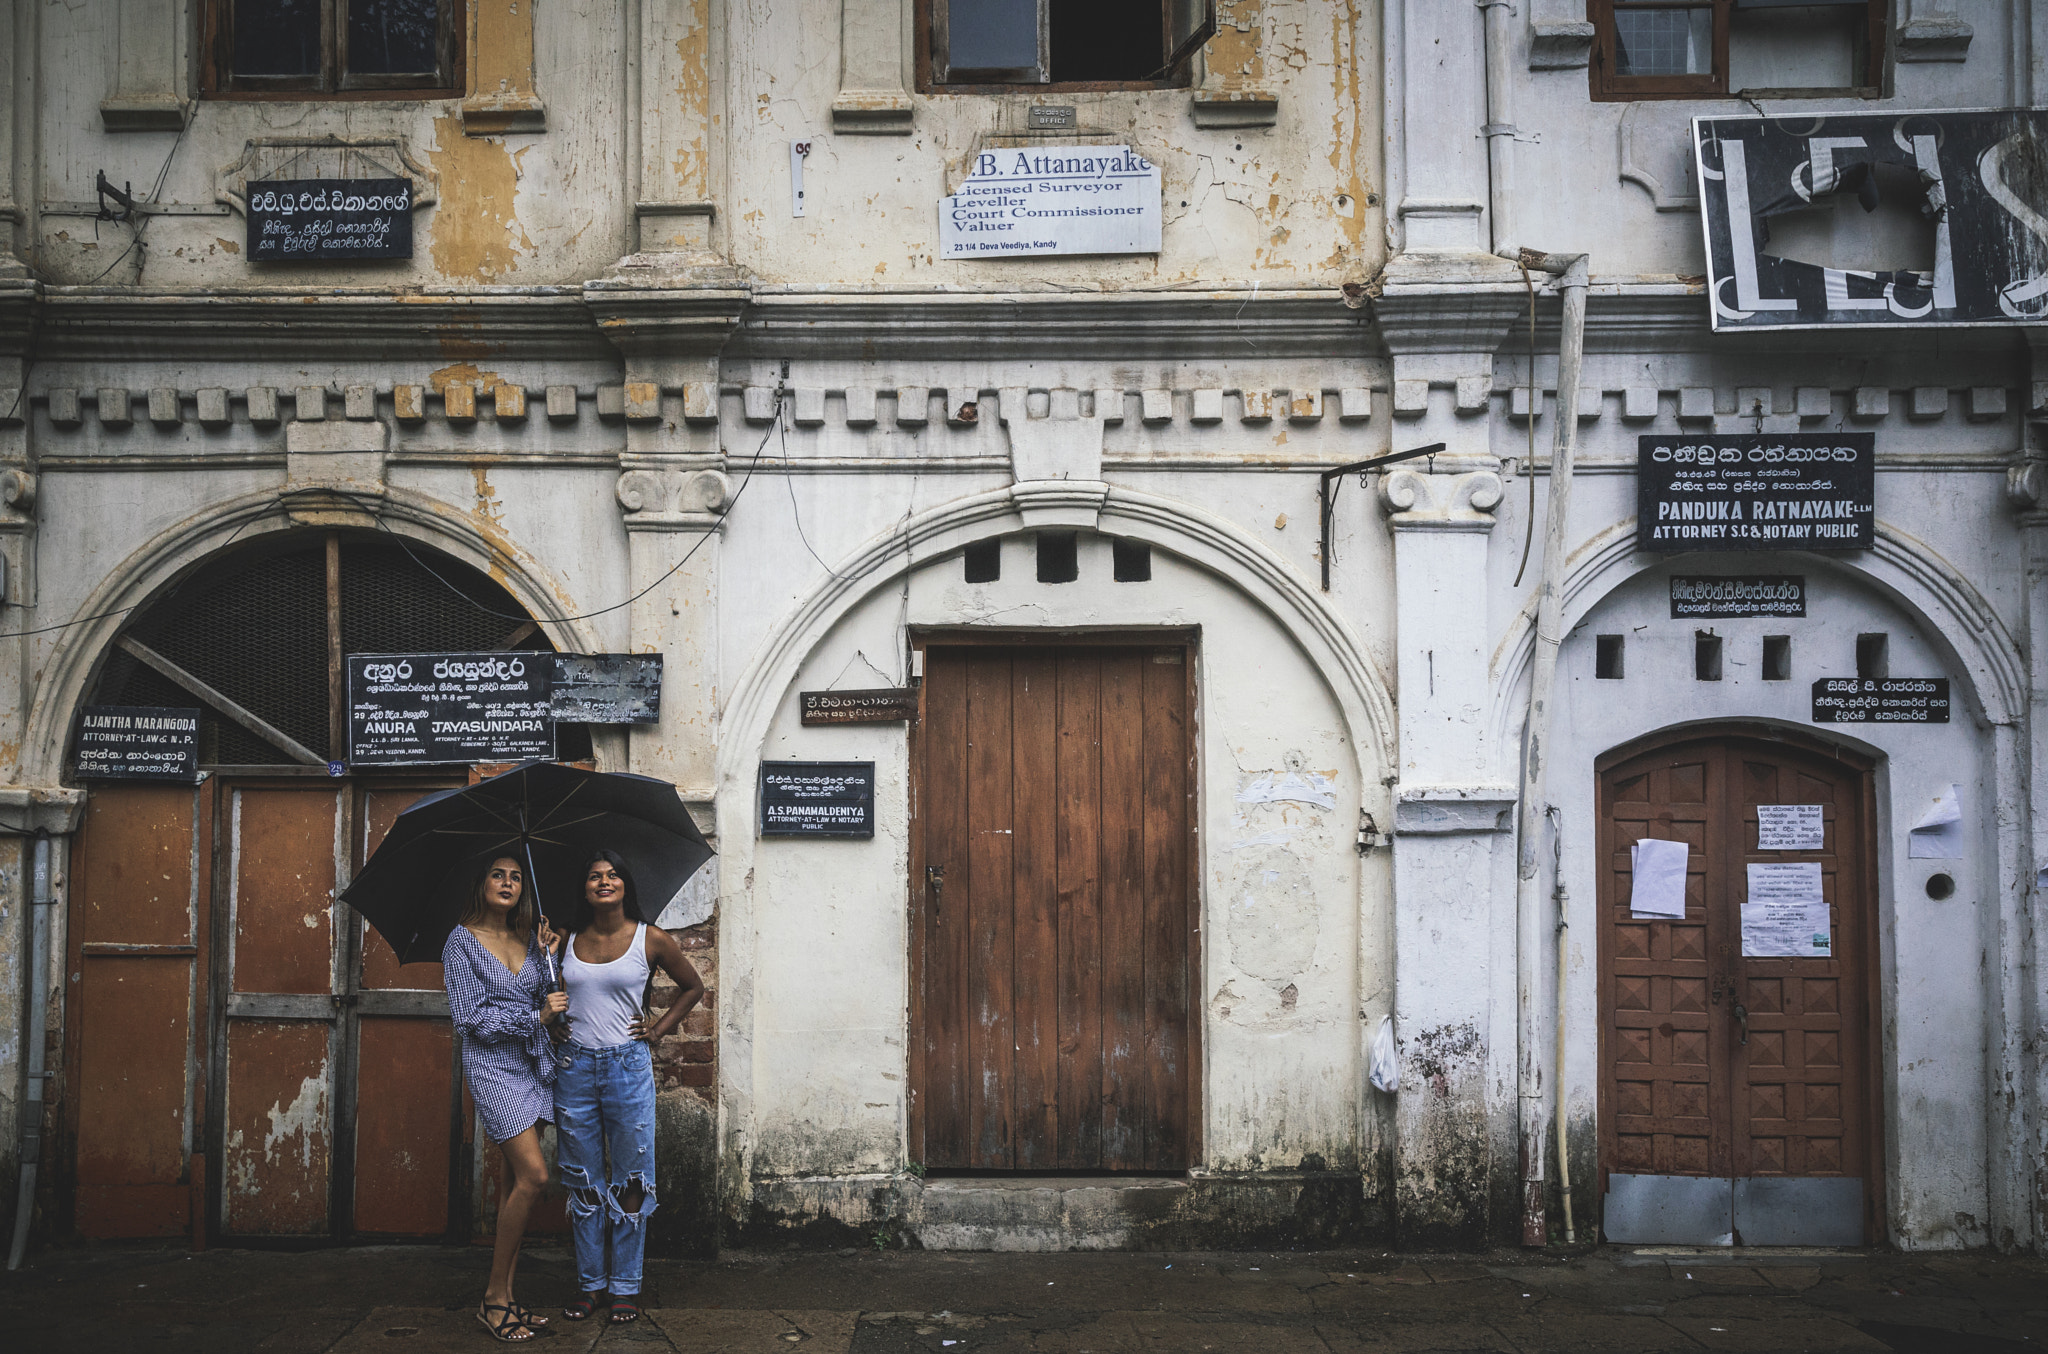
{"points": [[550, 818]]}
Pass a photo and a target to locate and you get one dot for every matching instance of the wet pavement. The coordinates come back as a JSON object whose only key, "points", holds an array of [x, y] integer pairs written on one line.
{"points": [[398, 1300]]}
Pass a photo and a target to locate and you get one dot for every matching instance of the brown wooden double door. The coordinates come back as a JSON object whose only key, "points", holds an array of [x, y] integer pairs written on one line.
{"points": [[1712, 1063], [247, 1059], [1051, 922]]}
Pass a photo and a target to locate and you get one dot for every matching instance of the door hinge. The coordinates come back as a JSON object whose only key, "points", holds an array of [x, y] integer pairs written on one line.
{"points": [[1368, 832]]}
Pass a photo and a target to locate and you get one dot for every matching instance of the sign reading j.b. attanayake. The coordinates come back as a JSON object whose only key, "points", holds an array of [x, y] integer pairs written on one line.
{"points": [[1021, 201]]}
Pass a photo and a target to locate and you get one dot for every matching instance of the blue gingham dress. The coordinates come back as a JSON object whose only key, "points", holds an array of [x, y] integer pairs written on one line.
{"points": [[505, 1049]]}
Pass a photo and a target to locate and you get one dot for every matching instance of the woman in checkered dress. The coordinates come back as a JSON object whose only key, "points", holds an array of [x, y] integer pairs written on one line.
{"points": [[499, 997]]}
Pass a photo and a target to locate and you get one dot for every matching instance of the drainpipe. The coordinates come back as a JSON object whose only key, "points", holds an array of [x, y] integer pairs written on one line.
{"points": [[1571, 272], [38, 1033], [1499, 130]]}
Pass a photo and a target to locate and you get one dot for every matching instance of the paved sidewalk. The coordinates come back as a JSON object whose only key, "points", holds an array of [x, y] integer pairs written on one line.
{"points": [[401, 1300]]}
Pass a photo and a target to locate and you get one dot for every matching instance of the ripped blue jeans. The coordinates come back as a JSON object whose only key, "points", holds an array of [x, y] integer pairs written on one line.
{"points": [[604, 1126]]}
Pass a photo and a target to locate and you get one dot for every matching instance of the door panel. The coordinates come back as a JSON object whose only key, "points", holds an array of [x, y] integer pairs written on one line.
{"points": [[403, 1070], [136, 923], [1719, 1065], [282, 889], [1052, 943], [277, 1129]]}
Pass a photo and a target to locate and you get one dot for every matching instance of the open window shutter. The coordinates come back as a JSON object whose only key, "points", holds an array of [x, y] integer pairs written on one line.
{"points": [[1189, 24], [993, 39]]}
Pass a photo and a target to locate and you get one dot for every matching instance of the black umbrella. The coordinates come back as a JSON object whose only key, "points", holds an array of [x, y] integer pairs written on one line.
{"points": [[548, 816]]}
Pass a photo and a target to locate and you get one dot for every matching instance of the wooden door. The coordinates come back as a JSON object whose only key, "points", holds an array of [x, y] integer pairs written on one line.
{"points": [[138, 926], [1713, 1063], [1052, 941]]}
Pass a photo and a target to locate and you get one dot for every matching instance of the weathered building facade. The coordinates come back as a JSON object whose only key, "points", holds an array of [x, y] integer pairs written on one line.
{"points": [[1218, 761]]}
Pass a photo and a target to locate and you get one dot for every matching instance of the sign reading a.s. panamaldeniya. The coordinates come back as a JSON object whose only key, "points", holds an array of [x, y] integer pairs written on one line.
{"points": [[817, 799], [1022, 201], [1755, 491], [438, 708]]}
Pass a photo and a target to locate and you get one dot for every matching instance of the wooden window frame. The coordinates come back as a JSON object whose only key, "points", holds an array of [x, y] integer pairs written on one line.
{"points": [[1180, 74], [333, 82], [1608, 87]]}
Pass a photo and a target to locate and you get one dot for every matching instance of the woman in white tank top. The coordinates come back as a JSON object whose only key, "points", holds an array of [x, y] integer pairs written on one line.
{"points": [[604, 1093]]}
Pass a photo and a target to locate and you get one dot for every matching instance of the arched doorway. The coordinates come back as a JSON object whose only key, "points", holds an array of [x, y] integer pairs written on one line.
{"points": [[1739, 1080], [244, 1059]]}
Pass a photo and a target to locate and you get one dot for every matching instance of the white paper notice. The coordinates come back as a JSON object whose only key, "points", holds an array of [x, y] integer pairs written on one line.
{"points": [[1023, 200], [1789, 827], [1939, 833], [1786, 916], [1658, 888]]}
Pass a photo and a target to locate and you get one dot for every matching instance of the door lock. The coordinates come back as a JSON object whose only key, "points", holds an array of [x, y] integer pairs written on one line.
{"points": [[1742, 1014], [935, 876]]}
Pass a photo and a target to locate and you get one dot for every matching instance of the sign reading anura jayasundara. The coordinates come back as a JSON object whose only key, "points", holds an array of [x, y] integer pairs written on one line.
{"points": [[1026, 200]]}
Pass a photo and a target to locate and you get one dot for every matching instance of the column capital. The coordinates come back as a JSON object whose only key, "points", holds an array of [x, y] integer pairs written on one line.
{"points": [[1456, 501], [658, 499]]}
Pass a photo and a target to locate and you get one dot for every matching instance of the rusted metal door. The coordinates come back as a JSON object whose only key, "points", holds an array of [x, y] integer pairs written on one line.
{"points": [[1717, 1066], [1051, 918], [138, 928]]}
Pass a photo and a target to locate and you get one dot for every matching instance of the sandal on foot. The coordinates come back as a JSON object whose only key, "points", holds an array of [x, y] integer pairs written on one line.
{"points": [[528, 1317], [582, 1305], [507, 1328], [624, 1311]]}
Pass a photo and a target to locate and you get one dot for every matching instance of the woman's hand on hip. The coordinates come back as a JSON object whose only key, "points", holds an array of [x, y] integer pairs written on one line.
{"points": [[553, 1007], [639, 1029]]}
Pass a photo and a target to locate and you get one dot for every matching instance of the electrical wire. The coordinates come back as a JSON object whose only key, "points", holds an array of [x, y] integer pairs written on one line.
{"points": [[789, 482]]}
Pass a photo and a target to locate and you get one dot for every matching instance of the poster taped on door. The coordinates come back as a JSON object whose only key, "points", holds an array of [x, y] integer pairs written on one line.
{"points": [[1786, 914]]}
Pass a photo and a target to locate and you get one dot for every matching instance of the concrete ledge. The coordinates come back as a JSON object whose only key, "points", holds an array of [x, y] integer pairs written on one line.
{"points": [[1064, 1213]]}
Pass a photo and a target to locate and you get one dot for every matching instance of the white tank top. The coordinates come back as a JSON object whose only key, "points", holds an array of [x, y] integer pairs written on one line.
{"points": [[604, 999]]}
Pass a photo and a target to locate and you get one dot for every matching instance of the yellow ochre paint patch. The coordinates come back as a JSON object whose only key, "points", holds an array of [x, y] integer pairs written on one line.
{"points": [[476, 232]]}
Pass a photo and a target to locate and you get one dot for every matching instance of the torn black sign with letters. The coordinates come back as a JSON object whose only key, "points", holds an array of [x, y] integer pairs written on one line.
{"points": [[1974, 183]]}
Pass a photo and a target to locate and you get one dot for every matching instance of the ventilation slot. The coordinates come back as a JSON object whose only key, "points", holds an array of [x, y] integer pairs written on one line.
{"points": [[984, 560], [1132, 562], [1607, 657], [1873, 656], [1706, 657], [1777, 658], [1058, 557]]}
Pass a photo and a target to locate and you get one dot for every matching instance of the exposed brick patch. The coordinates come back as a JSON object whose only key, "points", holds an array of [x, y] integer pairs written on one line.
{"points": [[689, 1057]]}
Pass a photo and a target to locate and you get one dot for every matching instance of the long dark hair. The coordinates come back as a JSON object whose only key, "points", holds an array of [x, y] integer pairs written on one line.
{"points": [[583, 914], [523, 918]]}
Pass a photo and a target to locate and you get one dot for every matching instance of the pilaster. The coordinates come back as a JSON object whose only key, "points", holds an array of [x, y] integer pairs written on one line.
{"points": [[2026, 1019], [674, 517], [149, 68], [874, 69]]}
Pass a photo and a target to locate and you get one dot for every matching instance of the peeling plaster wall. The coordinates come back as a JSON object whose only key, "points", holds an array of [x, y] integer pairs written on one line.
{"points": [[1280, 886], [1296, 201], [514, 208]]}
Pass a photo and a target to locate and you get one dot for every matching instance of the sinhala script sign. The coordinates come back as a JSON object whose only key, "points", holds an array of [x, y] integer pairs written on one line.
{"points": [[1053, 200]]}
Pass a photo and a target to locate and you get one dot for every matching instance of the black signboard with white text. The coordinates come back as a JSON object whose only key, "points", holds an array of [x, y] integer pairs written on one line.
{"points": [[1748, 595], [296, 219], [437, 708], [138, 742], [1756, 491], [1880, 700], [608, 688], [1966, 181], [817, 799]]}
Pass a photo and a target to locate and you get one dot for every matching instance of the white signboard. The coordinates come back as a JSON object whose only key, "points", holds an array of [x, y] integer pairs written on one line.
{"points": [[1021, 201], [1786, 916], [1789, 827]]}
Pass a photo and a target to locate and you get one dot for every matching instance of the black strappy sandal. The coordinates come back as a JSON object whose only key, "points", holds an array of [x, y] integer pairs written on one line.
{"points": [[528, 1317], [583, 1305], [507, 1329], [625, 1311]]}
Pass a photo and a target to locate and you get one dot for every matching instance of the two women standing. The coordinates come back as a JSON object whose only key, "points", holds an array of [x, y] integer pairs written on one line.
{"points": [[601, 1074]]}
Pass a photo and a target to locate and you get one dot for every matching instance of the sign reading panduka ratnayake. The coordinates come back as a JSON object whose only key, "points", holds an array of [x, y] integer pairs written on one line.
{"points": [[1020, 201], [137, 742], [439, 708], [1756, 491]]}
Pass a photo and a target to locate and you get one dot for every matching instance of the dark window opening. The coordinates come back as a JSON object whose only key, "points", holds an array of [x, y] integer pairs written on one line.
{"points": [[1777, 658], [1063, 42], [1131, 562], [1706, 657], [300, 48], [1873, 656], [1058, 557], [1674, 49], [1607, 657], [254, 627], [984, 560]]}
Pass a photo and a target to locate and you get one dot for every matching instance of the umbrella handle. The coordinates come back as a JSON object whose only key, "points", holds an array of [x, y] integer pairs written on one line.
{"points": [[533, 882]]}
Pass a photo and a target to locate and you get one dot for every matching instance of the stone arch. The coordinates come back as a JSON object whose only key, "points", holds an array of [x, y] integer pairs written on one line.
{"points": [[152, 567], [1179, 528], [1958, 620]]}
